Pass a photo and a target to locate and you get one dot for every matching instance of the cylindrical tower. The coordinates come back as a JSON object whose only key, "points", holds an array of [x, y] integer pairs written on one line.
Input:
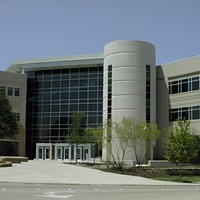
{"points": [[129, 81]]}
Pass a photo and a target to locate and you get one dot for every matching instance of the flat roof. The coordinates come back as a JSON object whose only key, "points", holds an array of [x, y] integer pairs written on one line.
{"points": [[57, 61]]}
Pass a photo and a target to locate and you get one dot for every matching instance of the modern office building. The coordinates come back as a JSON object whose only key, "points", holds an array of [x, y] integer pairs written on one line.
{"points": [[124, 81], [15, 85]]}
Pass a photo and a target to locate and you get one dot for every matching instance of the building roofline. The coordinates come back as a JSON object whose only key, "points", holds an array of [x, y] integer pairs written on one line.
{"points": [[58, 59], [180, 60]]}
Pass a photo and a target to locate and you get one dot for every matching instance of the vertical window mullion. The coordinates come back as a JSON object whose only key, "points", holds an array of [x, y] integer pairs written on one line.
{"points": [[148, 93]]}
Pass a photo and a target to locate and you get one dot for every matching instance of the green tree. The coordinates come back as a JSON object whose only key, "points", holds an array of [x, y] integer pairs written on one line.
{"points": [[108, 128], [76, 130], [120, 141], [181, 143], [94, 136], [129, 134], [142, 137], [8, 123]]}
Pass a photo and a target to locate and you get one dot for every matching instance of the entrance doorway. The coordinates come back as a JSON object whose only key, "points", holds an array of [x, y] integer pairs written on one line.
{"points": [[43, 151], [82, 152], [62, 153]]}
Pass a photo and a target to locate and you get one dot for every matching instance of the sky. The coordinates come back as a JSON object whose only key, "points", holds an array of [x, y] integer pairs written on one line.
{"points": [[44, 28]]}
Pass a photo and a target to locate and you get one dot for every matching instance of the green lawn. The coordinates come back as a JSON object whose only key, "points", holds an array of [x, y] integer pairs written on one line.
{"points": [[184, 179]]}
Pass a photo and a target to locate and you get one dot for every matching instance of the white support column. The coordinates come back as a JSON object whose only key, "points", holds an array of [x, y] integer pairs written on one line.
{"points": [[56, 151], [89, 151], [70, 151], [37, 151], [75, 152]]}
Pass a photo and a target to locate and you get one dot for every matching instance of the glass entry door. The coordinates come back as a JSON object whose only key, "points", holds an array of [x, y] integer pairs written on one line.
{"points": [[44, 153], [59, 153], [86, 154], [63, 153], [40, 153], [47, 153], [66, 153]]}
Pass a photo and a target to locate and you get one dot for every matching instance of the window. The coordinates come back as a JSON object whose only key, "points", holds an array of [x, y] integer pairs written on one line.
{"points": [[184, 85], [10, 91], [2, 88], [56, 84], [17, 92], [195, 83], [175, 87], [195, 112], [187, 113]]}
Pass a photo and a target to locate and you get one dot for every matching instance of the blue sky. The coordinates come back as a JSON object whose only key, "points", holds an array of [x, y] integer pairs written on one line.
{"points": [[43, 28]]}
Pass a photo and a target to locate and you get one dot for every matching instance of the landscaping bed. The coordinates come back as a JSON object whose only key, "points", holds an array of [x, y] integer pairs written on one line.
{"points": [[189, 174]]}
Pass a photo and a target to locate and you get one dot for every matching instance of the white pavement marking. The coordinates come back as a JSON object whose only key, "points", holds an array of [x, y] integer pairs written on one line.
{"points": [[59, 195]]}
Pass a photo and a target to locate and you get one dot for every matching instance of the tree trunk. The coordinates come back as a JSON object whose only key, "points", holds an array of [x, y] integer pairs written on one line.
{"points": [[180, 175], [76, 152]]}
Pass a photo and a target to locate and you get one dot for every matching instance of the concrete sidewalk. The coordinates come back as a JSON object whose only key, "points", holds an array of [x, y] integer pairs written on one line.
{"points": [[55, 172]]}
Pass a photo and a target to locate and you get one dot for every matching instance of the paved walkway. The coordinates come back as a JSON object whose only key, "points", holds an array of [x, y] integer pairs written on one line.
{"points": [[55, 172]]}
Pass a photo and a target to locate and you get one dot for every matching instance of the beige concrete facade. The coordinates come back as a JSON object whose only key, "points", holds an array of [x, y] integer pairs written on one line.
{"points": [[178, 71], [15, 85]]}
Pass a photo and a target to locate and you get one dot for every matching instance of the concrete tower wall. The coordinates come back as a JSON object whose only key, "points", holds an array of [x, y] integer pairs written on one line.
{"points": [[128, 60]]}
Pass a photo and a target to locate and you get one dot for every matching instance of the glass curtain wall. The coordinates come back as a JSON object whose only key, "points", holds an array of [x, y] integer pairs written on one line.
{"points": [[54, 95]]}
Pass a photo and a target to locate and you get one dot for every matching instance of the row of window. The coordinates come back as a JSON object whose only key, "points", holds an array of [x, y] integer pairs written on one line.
{"points": [[64, 90], [67, 83], [187, 113], [63, 108], [65, 74], [46, 136], [59, 127], [11, 91], [62, 114], [184, 85], [54, 121], [66, 95]]}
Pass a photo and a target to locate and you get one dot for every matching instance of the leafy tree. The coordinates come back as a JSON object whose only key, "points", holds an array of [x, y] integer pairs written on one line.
{"points": [[129, 135], [76, 131], [181, 143], [108, 128], [142, 137], [120, 141], [94, 136], [8, 123]]}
